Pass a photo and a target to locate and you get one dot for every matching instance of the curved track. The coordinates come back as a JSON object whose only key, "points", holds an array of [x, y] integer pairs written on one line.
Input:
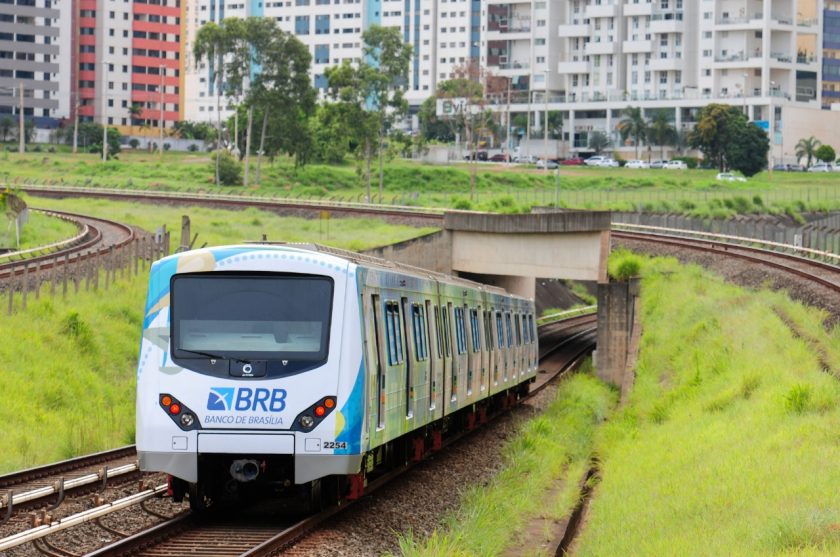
{"points": [[96, 234]]}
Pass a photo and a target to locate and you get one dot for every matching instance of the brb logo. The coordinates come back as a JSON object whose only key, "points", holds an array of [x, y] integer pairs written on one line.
{"points": [[243, 399]]}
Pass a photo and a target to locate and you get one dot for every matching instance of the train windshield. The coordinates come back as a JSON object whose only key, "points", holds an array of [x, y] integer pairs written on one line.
{"points": [[251, 317]]}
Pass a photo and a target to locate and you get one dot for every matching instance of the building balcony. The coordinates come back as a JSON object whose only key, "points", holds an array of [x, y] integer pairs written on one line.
{"points": [[632, 47], [604, 10], [666, 64], [638, 9], [750, 21], [574, 67], [671, 22], [602, 47], [509, 30], [509, 69], [574, 30]]}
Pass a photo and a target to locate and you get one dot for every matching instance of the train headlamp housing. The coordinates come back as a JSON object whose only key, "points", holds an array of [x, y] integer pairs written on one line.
{"points": [[314, 415], [183, 417]]}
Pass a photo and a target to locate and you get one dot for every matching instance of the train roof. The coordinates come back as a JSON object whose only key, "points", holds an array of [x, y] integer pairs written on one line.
{"points": [[365, 260]]}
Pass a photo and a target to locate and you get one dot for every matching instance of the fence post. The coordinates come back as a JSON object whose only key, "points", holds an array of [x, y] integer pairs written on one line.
{"points": [[52, 276], [25, 286], [136, 247], [76, 269], [38, 281], [11, 290], [64, 275], [96, 269]]}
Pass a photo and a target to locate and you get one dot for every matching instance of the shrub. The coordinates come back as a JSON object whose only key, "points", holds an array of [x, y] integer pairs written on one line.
{"points": [[624, 266], [461, 204], [230, 171], [192, 148], [167, 146], [134, 142], [797, 399]]}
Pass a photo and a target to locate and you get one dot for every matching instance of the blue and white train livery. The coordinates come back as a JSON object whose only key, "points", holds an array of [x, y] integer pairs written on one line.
{"points": [[305, 370]]}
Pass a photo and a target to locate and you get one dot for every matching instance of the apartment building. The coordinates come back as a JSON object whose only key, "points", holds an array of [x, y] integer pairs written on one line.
{"points": [[28, 58], [123, 54], [678, 55], [443, 33], [831, 54]]}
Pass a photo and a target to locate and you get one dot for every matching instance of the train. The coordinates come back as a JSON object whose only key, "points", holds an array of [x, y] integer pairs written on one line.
{"points": [[304, 371]]}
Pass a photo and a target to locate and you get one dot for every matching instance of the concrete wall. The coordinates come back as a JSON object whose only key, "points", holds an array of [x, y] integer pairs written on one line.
{"points": [[616, 315], [432, 251]]}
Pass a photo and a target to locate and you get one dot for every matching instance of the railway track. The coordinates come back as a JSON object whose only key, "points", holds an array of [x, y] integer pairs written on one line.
{"points": [[257, 531], [95, 234]]}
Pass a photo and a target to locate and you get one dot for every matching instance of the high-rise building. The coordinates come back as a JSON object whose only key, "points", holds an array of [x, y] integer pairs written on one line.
{"points": [[124, 55], [28, 58], [831, 54]]}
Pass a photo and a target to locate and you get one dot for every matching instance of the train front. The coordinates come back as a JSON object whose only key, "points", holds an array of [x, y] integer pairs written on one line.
{"points": [[250, 374]]}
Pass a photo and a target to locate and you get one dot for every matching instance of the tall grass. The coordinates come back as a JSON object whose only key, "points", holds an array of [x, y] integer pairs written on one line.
{"points": [[725, 445], [552, 448], [39, 230]]}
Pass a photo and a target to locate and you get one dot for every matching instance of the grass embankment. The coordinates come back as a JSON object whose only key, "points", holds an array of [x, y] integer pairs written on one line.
{"points": [[67, 367], [219, 227], [728, 443], [40, 230], [498, 188], [544, 462]]}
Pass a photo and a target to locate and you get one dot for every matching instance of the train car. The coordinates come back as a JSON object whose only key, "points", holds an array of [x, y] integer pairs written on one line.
{"points": [[304, 371]]}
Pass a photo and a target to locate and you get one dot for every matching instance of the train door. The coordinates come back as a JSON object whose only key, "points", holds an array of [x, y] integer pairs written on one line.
{"points": [[377, 362], [434, 355], [448, 319], [517, 339], [486, 351], [472, 348], [511, 355], [410, 359], [500, 346]]}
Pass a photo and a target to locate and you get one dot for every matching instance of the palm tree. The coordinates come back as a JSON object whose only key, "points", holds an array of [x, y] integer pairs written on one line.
{"points": [[660, 131], [633, 125], [134, 112], [598, 141], [807, 148]]}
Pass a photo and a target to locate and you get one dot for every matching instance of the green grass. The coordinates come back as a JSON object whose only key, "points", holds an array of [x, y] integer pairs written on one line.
{"points": [[219, 227], [726, 444], [67, 373], [498, 188], [554, 447], [40, 230]]}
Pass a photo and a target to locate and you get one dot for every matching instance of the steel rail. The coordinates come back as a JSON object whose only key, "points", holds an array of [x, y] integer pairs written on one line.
{"points": [[80, 518], [65, 466], [66, 485]]}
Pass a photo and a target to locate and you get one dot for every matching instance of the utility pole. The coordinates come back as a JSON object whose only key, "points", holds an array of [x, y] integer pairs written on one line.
{"points": [[104, 107], [509, 140], [21, 123], [160, 121], [545, 126], [76, 125]]}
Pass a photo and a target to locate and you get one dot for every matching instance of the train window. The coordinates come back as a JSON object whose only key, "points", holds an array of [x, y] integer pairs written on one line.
{"points": [[518, 329], [509, 330], [474, 331], [531, 330], [251, 317], [488, 329], [460, 331], [421, 341], [439, 331], [446, 332], [500, 331], [393, 330]]}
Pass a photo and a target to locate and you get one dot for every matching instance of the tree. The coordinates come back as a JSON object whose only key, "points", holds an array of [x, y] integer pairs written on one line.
{"points": [[807, 148], [555, 128], [660, 131], [729, 140], [113, 136], [825, 153], [389, 55], [431, 126], [598, 141], [6, 125], [134, 113], [633, 125]]}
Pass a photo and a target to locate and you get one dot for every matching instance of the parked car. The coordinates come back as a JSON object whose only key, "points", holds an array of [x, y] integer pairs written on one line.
{"points": [[550, 164], [675, 165], [576, 161], [609, 163], [637, 164], [526, 159], [788, 168], [480, 155], [821, 167], [729, 177], [658, 163], [595, 161], [500, 157]]}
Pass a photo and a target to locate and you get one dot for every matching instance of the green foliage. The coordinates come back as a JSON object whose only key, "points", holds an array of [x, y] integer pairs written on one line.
{"points": [[825, 153], [134, 142], [729, 140], [798, 399], [624, 265], [230, 170], [598, 141], [690, 162], [806, 148]]}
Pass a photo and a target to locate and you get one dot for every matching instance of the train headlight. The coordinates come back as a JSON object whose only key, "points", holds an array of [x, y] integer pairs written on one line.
{"points": [[307, 421], [187, 420]]}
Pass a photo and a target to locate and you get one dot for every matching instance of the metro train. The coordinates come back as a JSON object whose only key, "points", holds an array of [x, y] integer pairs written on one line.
{"points": [[304, 371]]}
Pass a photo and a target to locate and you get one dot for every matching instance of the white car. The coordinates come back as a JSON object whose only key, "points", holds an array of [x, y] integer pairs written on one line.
{"points": [[675, 165], [595, 161], [729, 177], [609, 163], [821, 167], [637, 164]]}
